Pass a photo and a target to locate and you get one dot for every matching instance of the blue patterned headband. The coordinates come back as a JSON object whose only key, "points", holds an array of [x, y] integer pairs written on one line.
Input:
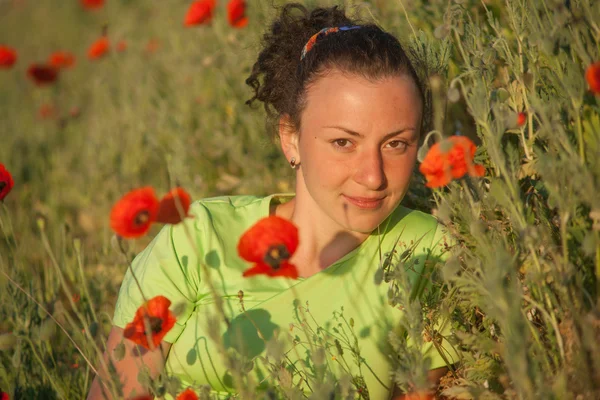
{"points": [[321, 34]]}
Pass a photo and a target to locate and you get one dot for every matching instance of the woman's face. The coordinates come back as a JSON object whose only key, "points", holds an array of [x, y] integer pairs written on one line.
{"points": [[357, 147]]}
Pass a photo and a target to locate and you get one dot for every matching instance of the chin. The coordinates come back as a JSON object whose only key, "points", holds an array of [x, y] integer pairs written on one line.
{"points": [[365, 225]]}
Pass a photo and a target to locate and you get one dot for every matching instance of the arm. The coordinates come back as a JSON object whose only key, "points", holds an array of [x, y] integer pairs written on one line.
{"points": [[433, 376], [129, 367]]}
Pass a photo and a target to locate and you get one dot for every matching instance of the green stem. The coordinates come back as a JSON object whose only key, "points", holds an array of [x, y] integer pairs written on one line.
{"points": [[42, 364], [49, 315], [54, 263], [598, 268], [580, 135]]}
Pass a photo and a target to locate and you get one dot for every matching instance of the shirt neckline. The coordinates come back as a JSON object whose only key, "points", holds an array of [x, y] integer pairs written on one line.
{"points": [[288, 196]]}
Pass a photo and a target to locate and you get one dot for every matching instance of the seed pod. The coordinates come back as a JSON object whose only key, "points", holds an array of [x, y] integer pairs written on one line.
{"points": [[422, 152], [338, 346], [453, 95], [502, 94]]}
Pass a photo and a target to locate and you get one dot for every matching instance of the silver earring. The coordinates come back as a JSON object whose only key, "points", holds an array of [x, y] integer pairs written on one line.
{"points": [[293, 162]]}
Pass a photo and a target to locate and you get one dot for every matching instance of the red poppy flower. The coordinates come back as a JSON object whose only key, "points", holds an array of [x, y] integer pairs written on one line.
{"points": [[133, 214], [269, 244], [92, 4], [592, 75], [416, 396], [8, 57], [152, 46], [47, 111], [160, 319], [99, 48], [200, 12], [42, 74], [521, 119], [6, 182], [75, 111], [4, 396], [61, 59], [441, 166], [187, 394], [168, 209], [121, 46], [236, 13]]}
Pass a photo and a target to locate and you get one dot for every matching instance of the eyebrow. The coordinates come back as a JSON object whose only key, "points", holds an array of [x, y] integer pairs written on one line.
{"points": [[353, 133]]}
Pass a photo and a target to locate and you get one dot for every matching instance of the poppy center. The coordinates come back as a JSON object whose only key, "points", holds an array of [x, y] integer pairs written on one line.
{"points": [[2, 185], [141, 218], [155, 324], [275, 255]]}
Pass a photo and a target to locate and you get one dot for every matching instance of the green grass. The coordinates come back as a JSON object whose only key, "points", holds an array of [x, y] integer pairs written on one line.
{"points": [[522, 289]]}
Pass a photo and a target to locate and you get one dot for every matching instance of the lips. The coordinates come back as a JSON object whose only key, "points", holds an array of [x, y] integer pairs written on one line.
{"points": [[365, 202]]}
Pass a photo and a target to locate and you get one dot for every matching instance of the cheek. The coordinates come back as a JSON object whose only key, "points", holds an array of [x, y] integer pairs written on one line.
{"points": [[400, 171], [320, 166]]}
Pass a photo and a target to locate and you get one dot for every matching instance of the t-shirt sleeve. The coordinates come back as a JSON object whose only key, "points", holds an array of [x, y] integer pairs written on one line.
{"points": [[444, 353], [167, 267]]}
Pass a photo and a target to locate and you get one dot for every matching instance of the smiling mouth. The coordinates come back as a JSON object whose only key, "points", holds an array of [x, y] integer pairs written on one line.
{"points": [[365, 202]]}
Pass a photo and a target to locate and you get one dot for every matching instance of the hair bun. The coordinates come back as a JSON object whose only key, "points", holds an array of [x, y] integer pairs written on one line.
{"points": [[279, 77], [282, 45]]}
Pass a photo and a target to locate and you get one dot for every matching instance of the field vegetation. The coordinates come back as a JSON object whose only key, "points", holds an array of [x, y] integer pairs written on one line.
{"points": [[165, 106]]}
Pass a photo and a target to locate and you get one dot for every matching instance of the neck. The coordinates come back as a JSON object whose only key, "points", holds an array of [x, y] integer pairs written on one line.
{"points": [[321, 240]]}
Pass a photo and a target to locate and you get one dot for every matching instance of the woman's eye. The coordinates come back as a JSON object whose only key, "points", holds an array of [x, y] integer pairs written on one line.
{"points": [[398, 144], [341, 142]]}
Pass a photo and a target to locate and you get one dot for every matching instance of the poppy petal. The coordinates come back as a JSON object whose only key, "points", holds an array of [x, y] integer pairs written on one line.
{"points": [[241, 23], [187, 394], [236, 13], [160, 318], [592, 76], [6, 182], [269, 231], [99, 48], [133, 214], [92, 4], [61, 59], [42, 74], [168, 210], [8, 57], [285, 270], [479, 170], [257, 269], [121, 46], [440, 167], [200, 12]]}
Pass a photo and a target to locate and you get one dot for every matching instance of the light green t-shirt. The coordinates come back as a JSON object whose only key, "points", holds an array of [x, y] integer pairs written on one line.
{"points": [[170, 266]]}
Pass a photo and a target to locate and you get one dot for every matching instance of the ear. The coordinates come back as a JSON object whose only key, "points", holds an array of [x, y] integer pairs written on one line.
{"points": [[288, 136]]}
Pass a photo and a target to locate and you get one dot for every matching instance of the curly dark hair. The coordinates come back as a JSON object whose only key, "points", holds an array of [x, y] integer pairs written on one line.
{"points": [[280, 79]]}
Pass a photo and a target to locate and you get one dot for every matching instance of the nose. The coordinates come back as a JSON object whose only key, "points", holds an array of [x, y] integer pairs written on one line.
{"points": [[370, 171]]}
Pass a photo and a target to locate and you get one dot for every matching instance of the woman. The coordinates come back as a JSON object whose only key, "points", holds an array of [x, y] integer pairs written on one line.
{"points": [[348, 109]]}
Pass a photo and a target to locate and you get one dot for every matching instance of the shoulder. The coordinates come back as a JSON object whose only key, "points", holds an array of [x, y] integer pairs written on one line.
{"points": [[404, 217], [412, 226], [224, 217], [228, 207], [224, 204]]}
